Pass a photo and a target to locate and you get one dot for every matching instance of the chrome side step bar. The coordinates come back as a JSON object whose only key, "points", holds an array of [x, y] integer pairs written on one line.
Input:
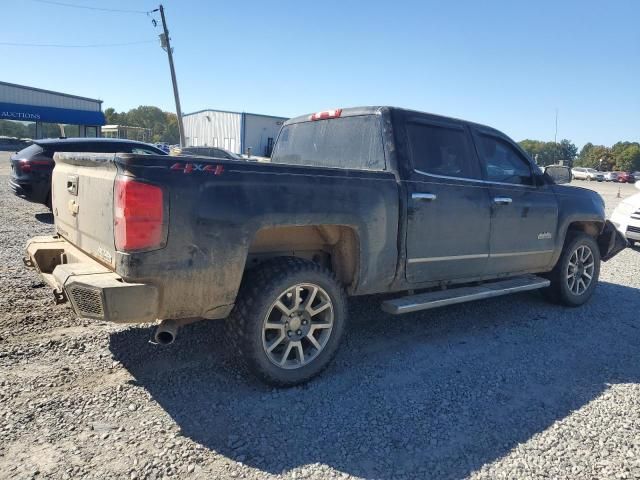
{"points": [[441, 298]]}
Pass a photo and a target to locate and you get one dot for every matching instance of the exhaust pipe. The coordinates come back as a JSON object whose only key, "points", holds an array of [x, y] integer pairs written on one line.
{"points": [[166, 332]]}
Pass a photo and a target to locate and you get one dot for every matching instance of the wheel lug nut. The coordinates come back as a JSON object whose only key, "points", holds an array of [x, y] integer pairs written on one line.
{"points": [[299, 332], [289, 333]]}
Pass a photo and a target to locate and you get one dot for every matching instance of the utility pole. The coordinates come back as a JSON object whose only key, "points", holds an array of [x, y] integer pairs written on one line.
{"points": [[555, 139], [166, 44]]}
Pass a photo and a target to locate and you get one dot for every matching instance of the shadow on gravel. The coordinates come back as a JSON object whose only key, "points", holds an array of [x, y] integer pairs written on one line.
{"points": [[432, 394], [45, 217]]}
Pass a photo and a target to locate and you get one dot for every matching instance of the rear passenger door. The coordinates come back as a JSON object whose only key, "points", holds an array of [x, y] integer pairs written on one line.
{"points": [[448, 204], [524, 212]]}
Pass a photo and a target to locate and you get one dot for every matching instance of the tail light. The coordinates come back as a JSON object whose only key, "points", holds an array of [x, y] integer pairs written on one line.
{"points": [[138, 215], [25, 166]]}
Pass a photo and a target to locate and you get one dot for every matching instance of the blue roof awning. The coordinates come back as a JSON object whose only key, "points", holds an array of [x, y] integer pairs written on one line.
{"points": [[34, 113]]}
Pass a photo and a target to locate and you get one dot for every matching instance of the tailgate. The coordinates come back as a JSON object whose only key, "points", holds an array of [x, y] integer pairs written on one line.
{"points": [[82, 202]]}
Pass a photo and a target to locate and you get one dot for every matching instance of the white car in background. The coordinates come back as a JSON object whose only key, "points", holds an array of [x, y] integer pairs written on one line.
{"points": [[582, 173], [611, 177], [626, 217]]}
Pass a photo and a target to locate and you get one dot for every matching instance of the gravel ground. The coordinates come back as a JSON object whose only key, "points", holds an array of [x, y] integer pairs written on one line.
{"points": [[506, 388]]}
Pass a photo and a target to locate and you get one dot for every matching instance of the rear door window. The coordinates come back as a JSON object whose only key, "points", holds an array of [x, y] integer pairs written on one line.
{"points": [[347, 142], [443, 150]]}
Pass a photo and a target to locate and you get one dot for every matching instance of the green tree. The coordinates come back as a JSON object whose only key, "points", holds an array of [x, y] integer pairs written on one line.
{"points": [[114, 118], [548, 153], [627, 158], [163, 125], [596, 156], [568, 152]]}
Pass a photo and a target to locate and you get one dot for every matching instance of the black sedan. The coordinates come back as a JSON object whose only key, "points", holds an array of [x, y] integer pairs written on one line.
{"points": [[31, 167]]}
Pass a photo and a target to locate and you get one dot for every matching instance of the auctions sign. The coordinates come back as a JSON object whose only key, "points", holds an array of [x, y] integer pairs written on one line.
{"points": [[36, 113], [20, 116]]}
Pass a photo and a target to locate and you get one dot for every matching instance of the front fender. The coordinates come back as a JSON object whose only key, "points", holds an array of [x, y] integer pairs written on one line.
{"points": [[611, 241]]}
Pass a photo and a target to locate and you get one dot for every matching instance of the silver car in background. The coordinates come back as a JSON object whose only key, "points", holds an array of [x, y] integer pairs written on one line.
{"points": [[590, 174]]}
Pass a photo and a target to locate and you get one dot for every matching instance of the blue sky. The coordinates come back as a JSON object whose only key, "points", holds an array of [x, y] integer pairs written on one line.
{"points": [[504, 63]]}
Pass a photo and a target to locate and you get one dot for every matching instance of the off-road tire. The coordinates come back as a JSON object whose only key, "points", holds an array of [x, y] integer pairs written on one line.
{"points": [[260, 288], [558, 291]]}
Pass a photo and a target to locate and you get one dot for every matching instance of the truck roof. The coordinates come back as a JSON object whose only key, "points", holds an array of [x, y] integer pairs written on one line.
{"points": [[374, 110]]}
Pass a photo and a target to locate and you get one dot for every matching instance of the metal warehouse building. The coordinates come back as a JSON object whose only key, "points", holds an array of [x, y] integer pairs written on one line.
{"points": [[232, 131], [38, 113]]}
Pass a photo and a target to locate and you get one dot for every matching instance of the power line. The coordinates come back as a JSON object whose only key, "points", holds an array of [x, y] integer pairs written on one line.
{"points": [[87, 7], [94, 45]]}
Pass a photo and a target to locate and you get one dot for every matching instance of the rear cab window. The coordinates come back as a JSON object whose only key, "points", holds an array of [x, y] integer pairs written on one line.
{"points": [[351, 142]]}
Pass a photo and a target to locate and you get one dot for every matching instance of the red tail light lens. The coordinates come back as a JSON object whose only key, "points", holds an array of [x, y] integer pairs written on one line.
{"points": [[25, 166], [138, 215]]}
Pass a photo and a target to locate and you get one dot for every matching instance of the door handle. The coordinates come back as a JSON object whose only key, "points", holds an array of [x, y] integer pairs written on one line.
{"points": [[502, 200], [427, 197]]}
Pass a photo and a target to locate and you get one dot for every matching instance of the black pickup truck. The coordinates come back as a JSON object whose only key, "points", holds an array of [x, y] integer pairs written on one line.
{"points": [[355, 201]]}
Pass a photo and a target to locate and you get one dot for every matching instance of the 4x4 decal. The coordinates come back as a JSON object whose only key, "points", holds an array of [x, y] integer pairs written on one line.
{"points": [[197, 167]]}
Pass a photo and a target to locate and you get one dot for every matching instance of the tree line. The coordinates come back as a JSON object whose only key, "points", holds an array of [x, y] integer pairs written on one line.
{"points": [[622, 156], [163, 125]]}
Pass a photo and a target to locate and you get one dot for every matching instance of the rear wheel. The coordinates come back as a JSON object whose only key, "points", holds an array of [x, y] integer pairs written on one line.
{"points": [[574, 278], [288, 321]]}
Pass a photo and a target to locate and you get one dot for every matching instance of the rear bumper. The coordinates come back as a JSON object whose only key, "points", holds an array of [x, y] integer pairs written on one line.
{"points": [[33, 192], [93, 290], [18, 189]]}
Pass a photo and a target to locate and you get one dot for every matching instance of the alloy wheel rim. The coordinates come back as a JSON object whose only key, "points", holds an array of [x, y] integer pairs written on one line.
{"points": [[297, 326], [580, 270]]}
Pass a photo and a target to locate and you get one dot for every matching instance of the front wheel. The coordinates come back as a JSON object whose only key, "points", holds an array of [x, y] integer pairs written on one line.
{"points": [[574, 278], [288, 320]]}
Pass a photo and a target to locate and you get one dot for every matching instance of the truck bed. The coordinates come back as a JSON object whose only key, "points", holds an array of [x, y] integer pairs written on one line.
{"points": [[215, 211]]}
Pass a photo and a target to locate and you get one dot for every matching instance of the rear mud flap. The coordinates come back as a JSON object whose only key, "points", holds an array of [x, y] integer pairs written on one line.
{"points": [[611, 242]]}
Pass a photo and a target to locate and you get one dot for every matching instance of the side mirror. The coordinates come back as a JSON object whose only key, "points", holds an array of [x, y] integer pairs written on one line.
{"points": [[558, 173]]}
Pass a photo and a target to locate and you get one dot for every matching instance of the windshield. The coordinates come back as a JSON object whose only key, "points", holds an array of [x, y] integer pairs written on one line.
{"points": [[348, 142]]}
